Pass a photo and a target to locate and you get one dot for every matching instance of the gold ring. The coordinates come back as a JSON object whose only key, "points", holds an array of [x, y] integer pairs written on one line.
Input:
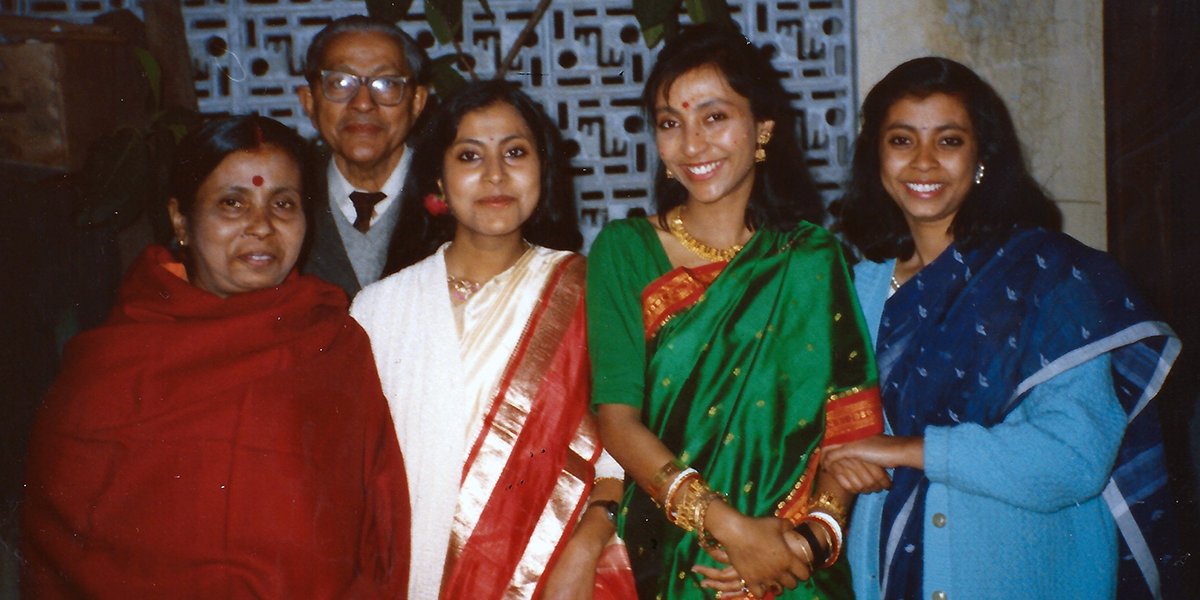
{"points": [[746, 590]]}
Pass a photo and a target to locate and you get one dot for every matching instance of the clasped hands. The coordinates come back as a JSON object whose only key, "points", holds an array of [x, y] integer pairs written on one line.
{"points": [[765, 555]]}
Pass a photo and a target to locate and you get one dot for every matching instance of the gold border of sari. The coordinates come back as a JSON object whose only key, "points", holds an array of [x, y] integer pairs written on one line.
{"points": [[494, 446]]}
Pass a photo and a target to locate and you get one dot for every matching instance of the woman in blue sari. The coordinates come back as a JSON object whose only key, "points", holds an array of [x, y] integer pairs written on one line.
{"points": [[1016, 366]]}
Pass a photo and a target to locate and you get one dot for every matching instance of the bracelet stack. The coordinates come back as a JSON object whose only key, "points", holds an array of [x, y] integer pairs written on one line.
{"points": [[832, 530], [688, 508], [660, 487], [684, 496], [820, 554], [829, 505], [826, 513]]}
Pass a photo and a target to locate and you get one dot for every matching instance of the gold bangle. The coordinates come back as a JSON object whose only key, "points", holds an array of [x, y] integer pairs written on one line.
{"points": [[693, 505], [678, 489], [832, 531], [829, 505], [663, 478]]}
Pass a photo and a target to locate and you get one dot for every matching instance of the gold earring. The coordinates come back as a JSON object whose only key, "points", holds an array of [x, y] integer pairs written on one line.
{"points": [[670, 175], [760, 153]]}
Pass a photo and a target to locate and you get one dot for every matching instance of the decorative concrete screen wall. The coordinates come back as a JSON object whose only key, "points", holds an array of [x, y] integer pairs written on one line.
{"points": [[586, 65]]}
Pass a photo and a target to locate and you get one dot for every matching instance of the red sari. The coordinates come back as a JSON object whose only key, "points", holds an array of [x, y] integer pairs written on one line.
{"points": [[202, 447], [503, 542]]}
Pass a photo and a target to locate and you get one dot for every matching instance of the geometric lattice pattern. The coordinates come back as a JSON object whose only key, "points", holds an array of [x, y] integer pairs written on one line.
{"points": [[586, 64]]}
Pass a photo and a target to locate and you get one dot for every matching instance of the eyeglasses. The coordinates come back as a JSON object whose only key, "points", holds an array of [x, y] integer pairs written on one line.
{"points": [[337, 86]]}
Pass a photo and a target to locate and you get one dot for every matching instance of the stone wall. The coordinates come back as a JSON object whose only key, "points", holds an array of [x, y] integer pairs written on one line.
{"points": [[1045, 57]]}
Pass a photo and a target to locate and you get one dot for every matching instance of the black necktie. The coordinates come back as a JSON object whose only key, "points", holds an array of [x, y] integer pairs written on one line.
{"points": [[364, 208]]}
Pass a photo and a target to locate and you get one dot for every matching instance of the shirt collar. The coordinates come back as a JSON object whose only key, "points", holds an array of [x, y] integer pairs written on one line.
{"points": [[340, 188]]}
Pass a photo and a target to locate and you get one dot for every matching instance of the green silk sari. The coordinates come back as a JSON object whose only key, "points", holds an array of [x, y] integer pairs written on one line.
{"points": [[742, 361]]}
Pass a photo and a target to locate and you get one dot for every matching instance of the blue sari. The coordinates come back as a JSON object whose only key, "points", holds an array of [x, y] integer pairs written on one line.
{"points": [[983, 327]]}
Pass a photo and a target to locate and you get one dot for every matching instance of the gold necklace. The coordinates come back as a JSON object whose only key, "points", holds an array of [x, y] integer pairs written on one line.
{"points": [[462, 289], [696, 246]]}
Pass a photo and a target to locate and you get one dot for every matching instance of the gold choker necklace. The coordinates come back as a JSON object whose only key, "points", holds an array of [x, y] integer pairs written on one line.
{"points": [[696, 246]]}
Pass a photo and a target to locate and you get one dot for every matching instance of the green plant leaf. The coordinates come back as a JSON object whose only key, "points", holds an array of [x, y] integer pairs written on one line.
{"points": [[389, 10], [653, 35], [445, 78], [707, 11], [114, 180], [445, 18], [655, 17], [177, 121], [153, 74], [654, 12]]}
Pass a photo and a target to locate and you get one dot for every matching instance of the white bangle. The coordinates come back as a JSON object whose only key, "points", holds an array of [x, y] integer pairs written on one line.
{"points": [[834, 527], [675, 484]]}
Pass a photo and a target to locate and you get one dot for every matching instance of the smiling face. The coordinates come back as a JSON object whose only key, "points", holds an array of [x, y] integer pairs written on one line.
{"points": [[491, 175], [928, 155], [706, 136], [367, 139], [246, 226]]}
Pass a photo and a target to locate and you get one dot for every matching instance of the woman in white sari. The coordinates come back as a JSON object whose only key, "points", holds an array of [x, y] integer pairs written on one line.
{"points": [[481, 348]]}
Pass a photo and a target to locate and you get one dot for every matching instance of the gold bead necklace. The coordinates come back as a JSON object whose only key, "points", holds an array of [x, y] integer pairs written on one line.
{"points": [[696, 246]]}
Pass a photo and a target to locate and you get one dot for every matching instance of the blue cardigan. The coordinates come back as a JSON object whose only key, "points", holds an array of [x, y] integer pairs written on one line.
{"points": [[1015, 510]]}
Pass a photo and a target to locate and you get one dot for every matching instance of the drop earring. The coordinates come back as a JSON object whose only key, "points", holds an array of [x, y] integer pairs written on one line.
{"points": [[760, 153], [979, 173]]}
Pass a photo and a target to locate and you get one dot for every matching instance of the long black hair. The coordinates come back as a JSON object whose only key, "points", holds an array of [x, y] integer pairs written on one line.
{"points": [[783, 192], [1007, 197], [553, 224]]}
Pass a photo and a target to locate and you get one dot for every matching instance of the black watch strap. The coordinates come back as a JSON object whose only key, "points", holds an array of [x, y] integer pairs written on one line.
{"points": [[610, 508]]}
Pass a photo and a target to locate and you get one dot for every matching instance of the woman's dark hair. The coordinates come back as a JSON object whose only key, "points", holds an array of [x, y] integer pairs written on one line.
{"points": [[1007, 197], [783, 193], [210, 142], [553, 224]]}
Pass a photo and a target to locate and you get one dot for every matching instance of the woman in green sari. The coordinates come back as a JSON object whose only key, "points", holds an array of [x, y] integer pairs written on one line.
{"points": [[726, 344]]}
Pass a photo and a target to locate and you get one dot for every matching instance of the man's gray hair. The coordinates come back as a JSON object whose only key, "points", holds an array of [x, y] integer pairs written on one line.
{"points": [[418, 61]]}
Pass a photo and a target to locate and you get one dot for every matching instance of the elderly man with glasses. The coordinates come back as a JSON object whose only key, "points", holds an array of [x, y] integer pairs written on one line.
{"points": [[367, 85]]}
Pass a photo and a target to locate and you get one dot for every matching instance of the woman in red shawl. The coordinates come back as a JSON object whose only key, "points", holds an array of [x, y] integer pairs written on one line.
{"points": [[223, 434]]}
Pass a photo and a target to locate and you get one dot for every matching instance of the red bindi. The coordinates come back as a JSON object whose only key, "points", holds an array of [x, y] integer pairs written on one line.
{"points": [[685, 104], [257, 180]]}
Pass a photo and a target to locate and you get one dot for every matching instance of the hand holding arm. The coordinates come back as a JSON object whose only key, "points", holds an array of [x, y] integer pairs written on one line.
{"points": [[857, 476], [881, 450]]}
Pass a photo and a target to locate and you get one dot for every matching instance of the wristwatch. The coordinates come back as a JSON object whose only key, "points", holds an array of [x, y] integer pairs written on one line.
{"points": [[610, 508]]}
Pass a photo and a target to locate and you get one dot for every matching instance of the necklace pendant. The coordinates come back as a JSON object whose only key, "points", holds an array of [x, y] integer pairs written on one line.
{"points": [[461, 289]]}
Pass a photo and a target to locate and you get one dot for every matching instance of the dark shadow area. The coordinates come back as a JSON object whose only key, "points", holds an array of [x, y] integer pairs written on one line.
{"points": [[55, 280], [1152, 112]]}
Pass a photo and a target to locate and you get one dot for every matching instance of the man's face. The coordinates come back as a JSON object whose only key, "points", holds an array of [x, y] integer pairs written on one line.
{"points": [[367, 139]]}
